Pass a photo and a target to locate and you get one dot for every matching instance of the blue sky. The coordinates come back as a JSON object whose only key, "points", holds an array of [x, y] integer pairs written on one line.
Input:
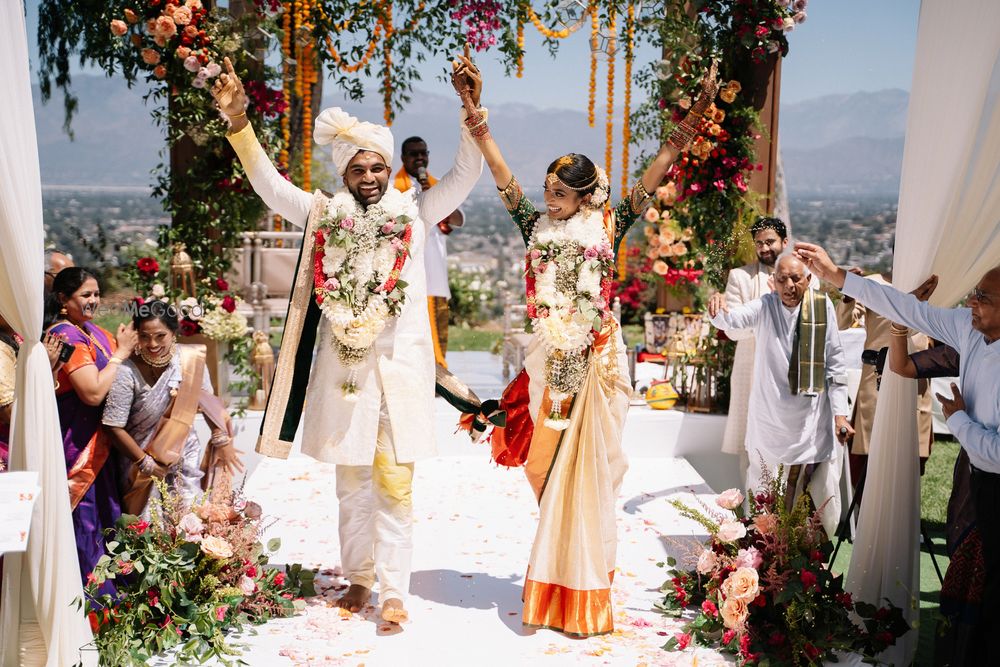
{"points": [[845, 46]]}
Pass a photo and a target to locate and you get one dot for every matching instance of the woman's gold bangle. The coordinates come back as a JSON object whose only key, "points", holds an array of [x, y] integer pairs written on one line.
{"points": [[242, 113]]}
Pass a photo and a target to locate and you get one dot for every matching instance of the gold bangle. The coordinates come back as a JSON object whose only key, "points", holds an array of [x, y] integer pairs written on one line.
{"points": [[898, 331], [242, 113], [57, 385], [114, 360]]}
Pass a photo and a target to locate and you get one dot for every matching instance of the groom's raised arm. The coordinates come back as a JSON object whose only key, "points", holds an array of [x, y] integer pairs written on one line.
{"points": [[454, 187]]}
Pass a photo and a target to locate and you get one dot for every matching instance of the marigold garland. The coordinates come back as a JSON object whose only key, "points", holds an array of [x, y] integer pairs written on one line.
{"points": [[286, 56], [592, 99], [609, 127], [548, 32], [520, 46], [626, 126], [369, 52], [387, 51]]}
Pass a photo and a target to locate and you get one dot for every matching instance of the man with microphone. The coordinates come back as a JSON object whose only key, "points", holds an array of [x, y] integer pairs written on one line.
{"points": [[414, 174]]}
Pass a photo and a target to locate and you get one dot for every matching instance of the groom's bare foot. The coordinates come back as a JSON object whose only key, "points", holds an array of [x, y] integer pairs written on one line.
{"points": [[355, 598], [392, 611]]}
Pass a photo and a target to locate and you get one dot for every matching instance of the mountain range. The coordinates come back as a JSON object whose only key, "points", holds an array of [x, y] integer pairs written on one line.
{"points": [[849, 144]]}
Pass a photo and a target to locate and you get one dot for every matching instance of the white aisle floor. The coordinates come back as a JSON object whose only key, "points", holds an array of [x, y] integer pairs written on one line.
{"points": [[474, 525]]}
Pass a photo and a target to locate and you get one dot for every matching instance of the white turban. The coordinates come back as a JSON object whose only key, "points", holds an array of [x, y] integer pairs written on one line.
{"points": [[347, 135]]}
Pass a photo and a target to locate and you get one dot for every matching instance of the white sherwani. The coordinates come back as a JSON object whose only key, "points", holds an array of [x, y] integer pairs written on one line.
{"points": [[745, 284], [401, 367], [375, 439], [783, 428]]}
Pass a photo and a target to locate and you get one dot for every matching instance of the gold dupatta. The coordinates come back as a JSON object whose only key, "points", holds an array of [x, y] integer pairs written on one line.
{"points": [[807, 367], [167, 442]]}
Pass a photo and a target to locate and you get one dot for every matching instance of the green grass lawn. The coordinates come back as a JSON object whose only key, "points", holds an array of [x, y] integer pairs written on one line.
{"points": [[935, 487]]}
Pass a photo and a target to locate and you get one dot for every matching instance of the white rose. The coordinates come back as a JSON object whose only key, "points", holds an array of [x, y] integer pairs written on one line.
{"points": [[159, 291], [150, 243], [731, 531], [706, 561], [247, 585], [385, 259], [191, 524]]}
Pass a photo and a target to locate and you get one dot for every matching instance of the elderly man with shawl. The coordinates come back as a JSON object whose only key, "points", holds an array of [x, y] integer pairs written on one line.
{"points": [[798, 401], [360, 285]]}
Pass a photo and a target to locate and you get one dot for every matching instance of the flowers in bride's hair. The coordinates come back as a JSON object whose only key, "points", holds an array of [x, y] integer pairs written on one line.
{"points": [[707, 561], [730, 499], [216, 547], [730, 531], [118, 28]]}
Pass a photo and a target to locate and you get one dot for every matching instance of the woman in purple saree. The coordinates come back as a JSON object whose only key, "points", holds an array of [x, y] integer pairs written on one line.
{"points": [[81, 386]]}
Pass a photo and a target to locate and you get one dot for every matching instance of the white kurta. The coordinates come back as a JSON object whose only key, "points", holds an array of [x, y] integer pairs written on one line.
{"points": [[978, 426], [744, 284], [789, 429], [400, 369], [436, 263]]}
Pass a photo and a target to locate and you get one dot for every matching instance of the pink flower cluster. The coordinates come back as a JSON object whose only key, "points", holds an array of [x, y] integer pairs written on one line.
{"points": [[270, 102], [481, 19]]}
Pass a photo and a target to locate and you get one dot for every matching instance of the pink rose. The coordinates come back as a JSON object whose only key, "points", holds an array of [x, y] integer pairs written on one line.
{"points": [[347, 223], [709, 608], [165, 27], [212, 70], [198, 82], [118, 28], [246, 585], [590, 253], [683, 640], [191, 524], [651, 215], [387, 228], [707, 561], [729, 499], [182, 16], [535, 253], [799, 17], [220, 612], [749, 557], [279, 579], [730, 531], [331, 284], [191, 64], [150, 56]]}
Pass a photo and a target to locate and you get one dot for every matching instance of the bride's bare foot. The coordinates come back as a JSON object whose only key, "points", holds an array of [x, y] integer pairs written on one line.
{"points": [[355, 598], [393, 612]]}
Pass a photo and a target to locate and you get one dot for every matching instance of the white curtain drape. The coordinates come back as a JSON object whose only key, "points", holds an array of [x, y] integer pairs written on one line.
{"points": [[39, 586], [948, 224]]}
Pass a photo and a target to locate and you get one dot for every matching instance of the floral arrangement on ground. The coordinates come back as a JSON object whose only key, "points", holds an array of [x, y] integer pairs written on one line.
{"points": [[762, 591], [185, 578]]}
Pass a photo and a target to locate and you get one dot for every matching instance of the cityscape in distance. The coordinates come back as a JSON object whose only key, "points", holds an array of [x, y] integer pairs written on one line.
{"points": [[841, 156]]}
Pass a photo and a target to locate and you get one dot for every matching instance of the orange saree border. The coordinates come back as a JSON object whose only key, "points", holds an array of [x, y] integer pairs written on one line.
{"points": [[572, 612], [84, 471]]}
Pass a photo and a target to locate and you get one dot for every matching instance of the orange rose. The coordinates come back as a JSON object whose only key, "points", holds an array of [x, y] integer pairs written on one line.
{"points": [[652, 253], [131, 16], [742, 584], [150, 56], [765, 524], [216, 547], [727, 96], [118, 28], [169, 10], [734, 613], [719, 116], [182, 52], [160, 71], [667, 236], [651, 214], [660, 267], [193, 4], [734, 86], [182, 16], [679, 249], [165, 27]]}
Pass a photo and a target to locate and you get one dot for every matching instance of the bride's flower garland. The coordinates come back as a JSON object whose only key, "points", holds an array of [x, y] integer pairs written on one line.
{"points": [[359, 255], [568, 283]]}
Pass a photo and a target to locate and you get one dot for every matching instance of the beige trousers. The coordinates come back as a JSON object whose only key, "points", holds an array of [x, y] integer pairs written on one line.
{"points": [[376, 519]]}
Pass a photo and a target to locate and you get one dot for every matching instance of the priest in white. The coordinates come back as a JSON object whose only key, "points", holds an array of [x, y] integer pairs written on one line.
{"points": [[798, 401], [367, 397], [745, 284]]}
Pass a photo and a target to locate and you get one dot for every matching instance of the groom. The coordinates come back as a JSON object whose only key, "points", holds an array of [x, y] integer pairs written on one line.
{"points": [[370, 413]]}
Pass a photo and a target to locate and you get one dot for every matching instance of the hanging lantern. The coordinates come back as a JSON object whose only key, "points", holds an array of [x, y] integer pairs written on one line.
{"points": [[572, 13], [262, 360], [182, 271]]}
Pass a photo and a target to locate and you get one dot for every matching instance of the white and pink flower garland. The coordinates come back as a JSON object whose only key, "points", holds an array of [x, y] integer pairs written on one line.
{"points": [[360, 253], [568, 282]]}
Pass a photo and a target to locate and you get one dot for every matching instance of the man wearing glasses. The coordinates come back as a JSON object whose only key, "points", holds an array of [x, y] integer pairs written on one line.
{"points": [[973, 411], [55, 261], [414, 174]]}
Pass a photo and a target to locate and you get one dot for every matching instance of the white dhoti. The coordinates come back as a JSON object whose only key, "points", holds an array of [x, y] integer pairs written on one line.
{"points": [[376, 520]]}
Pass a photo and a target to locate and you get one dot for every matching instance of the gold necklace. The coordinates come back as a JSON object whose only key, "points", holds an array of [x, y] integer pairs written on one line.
{"points": [[156, 363], [91, 338]]}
